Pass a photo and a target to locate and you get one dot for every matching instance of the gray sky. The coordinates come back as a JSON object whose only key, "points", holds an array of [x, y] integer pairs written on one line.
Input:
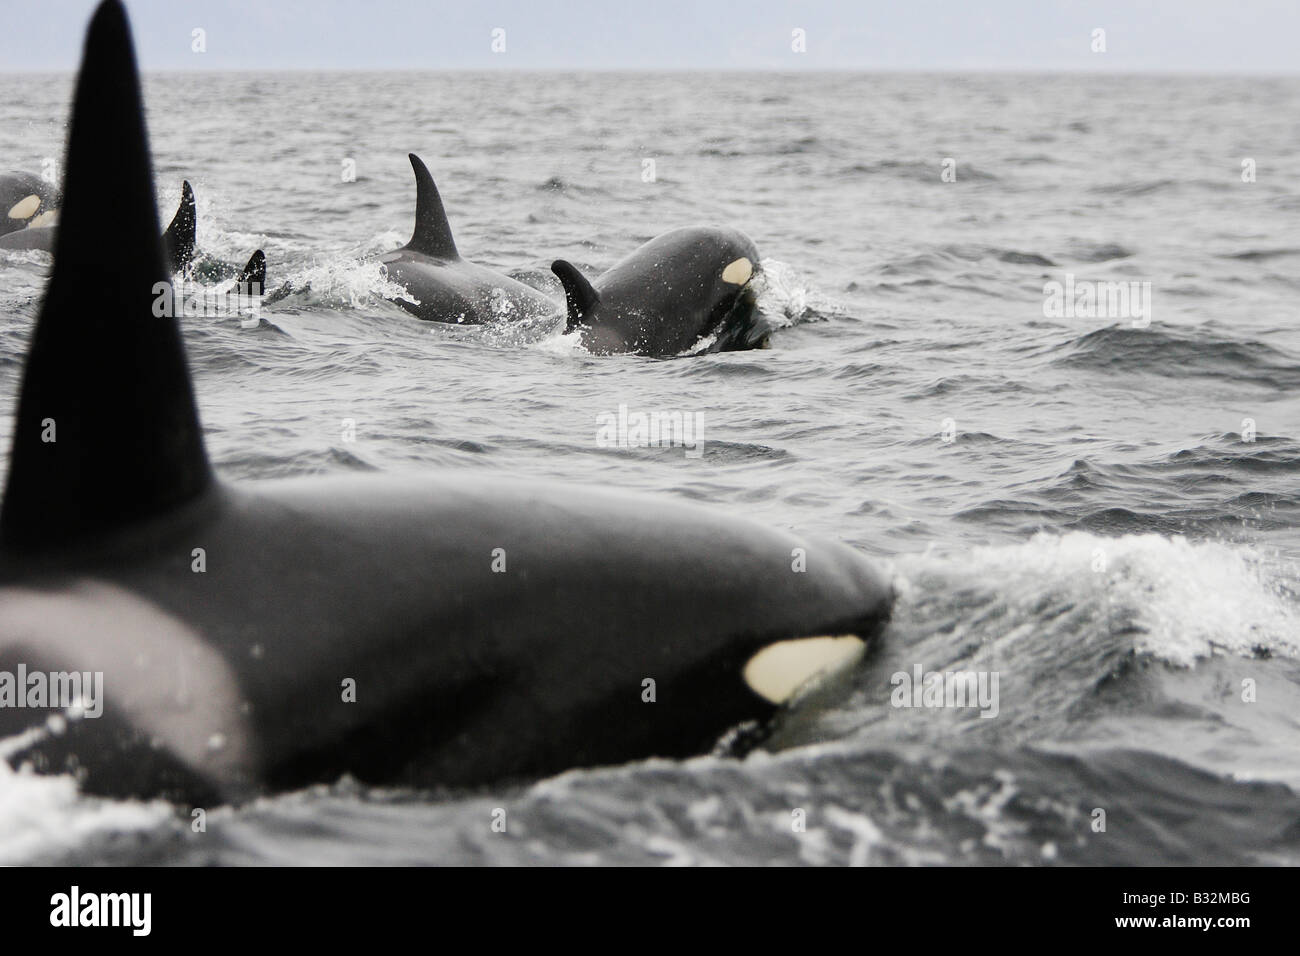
{"points": [[1140, 35]]}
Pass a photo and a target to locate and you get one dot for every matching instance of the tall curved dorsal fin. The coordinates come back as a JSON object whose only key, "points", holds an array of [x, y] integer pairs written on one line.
{"points": [[432, 235], [178, 240], [255, 272], [579, 294], [106, 432]]}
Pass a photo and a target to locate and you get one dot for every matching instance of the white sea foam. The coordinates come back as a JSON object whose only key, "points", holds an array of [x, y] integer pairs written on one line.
{"points": [[787, 295], [43, 816], [1185, 600]]}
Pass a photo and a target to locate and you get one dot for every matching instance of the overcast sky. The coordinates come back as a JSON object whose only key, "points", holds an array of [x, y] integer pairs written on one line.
{"points": [[1140, 35]]}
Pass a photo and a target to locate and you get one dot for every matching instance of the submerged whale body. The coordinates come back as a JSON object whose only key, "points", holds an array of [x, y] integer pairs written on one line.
{"points": [[692, 287], [267, 635], [26, 201], [444, 287], [178, 238]]}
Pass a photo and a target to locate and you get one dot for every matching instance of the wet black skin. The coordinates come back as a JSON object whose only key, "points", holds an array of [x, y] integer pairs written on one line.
{"points": [[436, 630], [443, 286], [667, 296]]}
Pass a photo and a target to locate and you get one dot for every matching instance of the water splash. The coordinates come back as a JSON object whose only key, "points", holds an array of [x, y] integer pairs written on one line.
{"points": [[789, 297], [46, 816], [1181, 600]]}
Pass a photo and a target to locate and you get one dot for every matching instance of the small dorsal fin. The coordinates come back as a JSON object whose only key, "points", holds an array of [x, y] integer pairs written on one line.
{"points": [[432, 235], [178, 240], [255, 272], [579, 294], [106, 432]]}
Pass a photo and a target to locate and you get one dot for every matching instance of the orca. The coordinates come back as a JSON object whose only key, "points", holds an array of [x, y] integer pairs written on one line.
{"points": [[25, 200], [691, 288], [178, 238], [443, 286], [442, 630], [253, 275]]}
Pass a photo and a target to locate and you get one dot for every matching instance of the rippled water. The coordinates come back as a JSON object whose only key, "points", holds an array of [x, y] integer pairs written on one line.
{"points": [[1104, 513]]}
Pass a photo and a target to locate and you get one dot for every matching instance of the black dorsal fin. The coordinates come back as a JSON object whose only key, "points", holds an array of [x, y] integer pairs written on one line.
{"points": [[432, 231], [579, 294], [178, 240], [105, 378], [255, 272]]}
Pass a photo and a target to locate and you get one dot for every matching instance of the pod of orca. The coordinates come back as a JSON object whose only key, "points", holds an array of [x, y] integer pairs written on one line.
{"points": [[428, 631], [685, 289], [38, 207], [42, 229]]}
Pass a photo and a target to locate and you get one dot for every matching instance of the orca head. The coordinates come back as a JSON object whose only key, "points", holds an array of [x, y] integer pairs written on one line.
{"points": [[723, 265], [739, 323], [26, 201], [684, 286], [731, 259]]}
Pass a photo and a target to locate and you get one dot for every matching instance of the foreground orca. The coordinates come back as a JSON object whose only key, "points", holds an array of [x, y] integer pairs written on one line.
{"points": [[25, 201], [667, 296], [445, 630], [178, 238], [445, 287]]}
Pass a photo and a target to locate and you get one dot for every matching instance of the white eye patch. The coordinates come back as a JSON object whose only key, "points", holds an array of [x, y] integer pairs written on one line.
{"points": [[779, 671], [47, 218], [738, 272], [25, 207]]}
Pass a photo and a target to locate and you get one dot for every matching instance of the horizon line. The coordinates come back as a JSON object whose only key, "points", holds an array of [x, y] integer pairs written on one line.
{"points": [[863, 70]]}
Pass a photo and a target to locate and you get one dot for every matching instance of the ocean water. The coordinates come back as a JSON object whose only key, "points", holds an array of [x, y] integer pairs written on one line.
{"points": [[1102, 509]]}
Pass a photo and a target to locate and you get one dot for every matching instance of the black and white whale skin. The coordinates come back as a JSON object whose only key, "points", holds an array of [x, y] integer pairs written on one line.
{"points": [[443, 286], [437, 630], [668, 295], [25, 201], [178, 238]]}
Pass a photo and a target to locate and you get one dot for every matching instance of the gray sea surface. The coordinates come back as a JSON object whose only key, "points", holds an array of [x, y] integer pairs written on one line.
{"points": [[1099, 505]]}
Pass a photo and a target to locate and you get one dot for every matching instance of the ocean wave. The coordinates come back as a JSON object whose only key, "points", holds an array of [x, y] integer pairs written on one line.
{"points": [[1260, 255], [1174, 599], [1230, 488], [926, 171], [825, 805], [1181, 352], [1135, 188], [1100, 252]]}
